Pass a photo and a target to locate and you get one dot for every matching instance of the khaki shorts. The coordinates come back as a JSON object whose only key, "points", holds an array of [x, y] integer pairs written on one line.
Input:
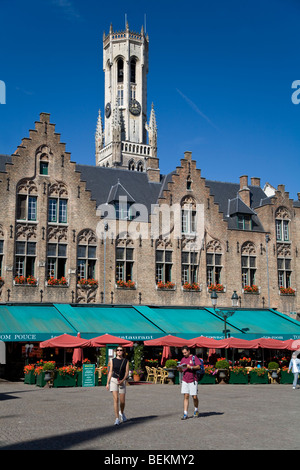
{"points": [[115, 387], [190, 388]]}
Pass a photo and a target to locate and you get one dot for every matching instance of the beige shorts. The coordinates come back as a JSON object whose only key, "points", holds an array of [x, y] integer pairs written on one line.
{"points": [[115, 387]]}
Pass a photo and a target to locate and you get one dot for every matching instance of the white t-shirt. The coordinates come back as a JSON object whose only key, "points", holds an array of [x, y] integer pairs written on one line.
{"points": [[294, 366]]}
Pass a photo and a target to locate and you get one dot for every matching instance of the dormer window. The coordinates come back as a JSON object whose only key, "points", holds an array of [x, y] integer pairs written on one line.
{"points": [[244, 222], [123, 211]]}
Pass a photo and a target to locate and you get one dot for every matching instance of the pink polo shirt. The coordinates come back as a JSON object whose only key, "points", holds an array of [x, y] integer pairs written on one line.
{"points": [[188, 375]]}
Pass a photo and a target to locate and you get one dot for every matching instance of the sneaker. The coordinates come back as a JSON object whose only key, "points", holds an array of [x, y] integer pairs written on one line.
{"points": [[122, 417], [184, 417], [196, 414], [117, 422]]}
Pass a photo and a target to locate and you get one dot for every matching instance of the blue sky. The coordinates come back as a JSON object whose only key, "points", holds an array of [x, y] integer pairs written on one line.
{"points": [[220, 77]]}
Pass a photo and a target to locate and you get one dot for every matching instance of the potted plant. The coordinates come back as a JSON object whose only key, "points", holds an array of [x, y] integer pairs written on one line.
{"points": [[136, 373], [238, 375], [258, 375], [273, 371], [44, 372], [223, 366], [138, 355], [171, 366]]}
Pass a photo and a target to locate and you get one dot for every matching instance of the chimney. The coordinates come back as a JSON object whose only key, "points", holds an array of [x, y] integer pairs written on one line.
{"points": [[255, 181], [244, 191]]}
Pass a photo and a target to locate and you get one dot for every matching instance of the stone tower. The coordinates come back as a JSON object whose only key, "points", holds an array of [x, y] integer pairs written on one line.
{"points": [[126, 140]]}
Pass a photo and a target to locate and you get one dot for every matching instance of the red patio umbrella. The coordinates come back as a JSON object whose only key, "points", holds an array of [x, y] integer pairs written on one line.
{"points": [[294, 344], [65, 341], [168, 340], [239, 343], [77, 354], [101, 341], [166, 354], [269, 343], [204, 342]]}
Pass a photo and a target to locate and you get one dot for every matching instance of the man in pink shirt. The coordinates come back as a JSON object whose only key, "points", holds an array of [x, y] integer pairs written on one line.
{"points": [[189, 384]]}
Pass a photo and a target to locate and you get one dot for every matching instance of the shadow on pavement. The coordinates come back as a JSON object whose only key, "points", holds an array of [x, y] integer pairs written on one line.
{"points": [[65, 441]]}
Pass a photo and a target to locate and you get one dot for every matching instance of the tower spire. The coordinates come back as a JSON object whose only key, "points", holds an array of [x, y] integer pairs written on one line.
{"points": [[99, 136]]}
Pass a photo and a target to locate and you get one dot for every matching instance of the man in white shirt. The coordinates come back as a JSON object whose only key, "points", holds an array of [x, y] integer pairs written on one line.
{"points": [[294, 366]]}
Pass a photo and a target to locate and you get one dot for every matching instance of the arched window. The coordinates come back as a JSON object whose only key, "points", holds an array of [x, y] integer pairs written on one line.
{"points": [[188, 215], [120, 71], [131, 165], [124, 260], [214, 263], [26, 200], [133, 70], [282, 222], [58, 203], [86, 255], [140, 167], [163, 261], [248, 260]]}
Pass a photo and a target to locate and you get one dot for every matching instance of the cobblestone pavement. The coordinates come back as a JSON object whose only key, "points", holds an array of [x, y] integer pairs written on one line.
{"points": [[231, 417]]}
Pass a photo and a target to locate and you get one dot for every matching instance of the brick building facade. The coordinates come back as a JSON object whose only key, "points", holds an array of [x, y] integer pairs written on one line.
{"points": [[73, 233], [56, 223]]}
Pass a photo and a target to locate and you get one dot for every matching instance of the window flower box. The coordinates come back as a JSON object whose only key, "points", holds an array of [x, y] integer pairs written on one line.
{"points": [[287, 291], [216, 287], [126, 284], [53, 282], [251, 290], [165, 285], [25, 281], [87, 283], [191, 287]]}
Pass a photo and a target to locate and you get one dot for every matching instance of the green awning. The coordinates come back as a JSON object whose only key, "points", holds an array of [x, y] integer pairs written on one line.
{"points": [[247, 324], [263, 323], [122, 321], [188, 323], [32, 323]]}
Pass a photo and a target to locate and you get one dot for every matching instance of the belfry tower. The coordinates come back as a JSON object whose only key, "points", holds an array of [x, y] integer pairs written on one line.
{"points": [[126, 140]]}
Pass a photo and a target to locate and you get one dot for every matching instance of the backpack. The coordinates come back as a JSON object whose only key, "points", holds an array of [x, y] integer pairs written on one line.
{"points": [[199, 372]]}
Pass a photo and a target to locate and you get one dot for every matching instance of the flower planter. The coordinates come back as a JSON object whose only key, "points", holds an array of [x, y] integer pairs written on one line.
{"points": [[103, 381], [40, 380], [239, 378], [136, 378], [208, 379], [286, 378], [64, 380], [258, 379], [30, 378]]}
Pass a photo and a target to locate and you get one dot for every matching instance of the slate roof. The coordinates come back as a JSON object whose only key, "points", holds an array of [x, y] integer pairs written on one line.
{"points": [[106, 184]]}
